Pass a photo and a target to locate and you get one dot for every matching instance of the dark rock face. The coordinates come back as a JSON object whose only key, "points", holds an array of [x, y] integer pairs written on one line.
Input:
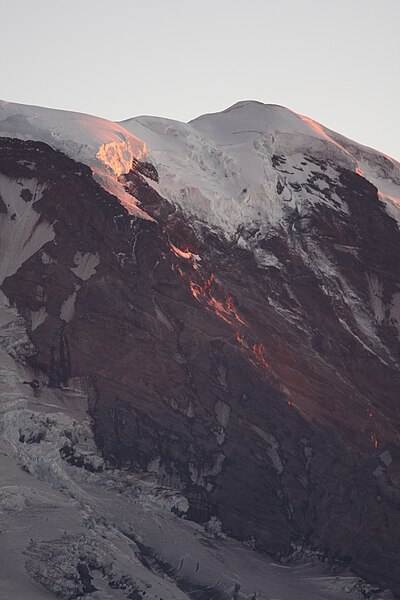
{"points": [[254, 391]]}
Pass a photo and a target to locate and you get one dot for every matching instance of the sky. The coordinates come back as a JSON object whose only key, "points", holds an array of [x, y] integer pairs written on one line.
{"points": [[336, 61]]}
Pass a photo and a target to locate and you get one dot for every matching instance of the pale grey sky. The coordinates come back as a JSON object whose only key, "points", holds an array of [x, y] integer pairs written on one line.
{"points": [[336, 61]]}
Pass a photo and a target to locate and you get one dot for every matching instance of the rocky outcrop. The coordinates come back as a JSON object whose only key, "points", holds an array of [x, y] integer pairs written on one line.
{"points": [[265, 393]]}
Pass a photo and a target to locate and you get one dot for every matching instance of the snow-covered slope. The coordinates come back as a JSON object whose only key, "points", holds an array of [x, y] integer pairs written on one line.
{"points": [[104, 146], [57, 513], [224, 168], [220, 168]]}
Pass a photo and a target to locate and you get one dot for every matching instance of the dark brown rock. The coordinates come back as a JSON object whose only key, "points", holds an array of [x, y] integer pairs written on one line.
{"points": [[254, 391]]}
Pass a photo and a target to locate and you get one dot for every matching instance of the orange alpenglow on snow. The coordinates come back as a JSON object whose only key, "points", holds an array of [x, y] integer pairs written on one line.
{"points": [[258, 351], [374, 440], [231, 309], [393, 199], [201, 291], [321, 131], [224, 309], [373, 436], [186, 254], [240, 339], [118, 156], [204, 293]]}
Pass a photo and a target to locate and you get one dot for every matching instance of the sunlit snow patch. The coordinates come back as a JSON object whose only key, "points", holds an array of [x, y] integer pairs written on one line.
{"points": [[104, 146]]}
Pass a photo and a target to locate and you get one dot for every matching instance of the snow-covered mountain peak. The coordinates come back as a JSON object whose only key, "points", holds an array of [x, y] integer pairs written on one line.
{"points": [[222, 168], [251, 117], [235, 363], [254, 117], [236, 167], [103, 145], [82, 137]]}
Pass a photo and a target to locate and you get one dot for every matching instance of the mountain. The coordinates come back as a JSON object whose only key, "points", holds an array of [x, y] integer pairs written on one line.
{"points": [[220, 167], [199, 330]]}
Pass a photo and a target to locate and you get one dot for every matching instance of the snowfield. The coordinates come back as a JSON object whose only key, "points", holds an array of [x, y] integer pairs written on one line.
{"points": [[223, 168], [219, 168], [54, 515], [104, 146]]}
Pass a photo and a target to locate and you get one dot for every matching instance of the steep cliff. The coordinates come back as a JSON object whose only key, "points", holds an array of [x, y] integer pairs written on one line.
{"points": [[229, 300]]}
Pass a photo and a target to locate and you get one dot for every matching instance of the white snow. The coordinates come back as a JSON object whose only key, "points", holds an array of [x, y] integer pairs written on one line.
{"points": [[252, 168], [38, 317], [85, 264], [386, 458], [46, 259], [104, 146], [272, 448], [223, 175], [376, 293], [68, 307], [13, 334], [22, 230], [219, 169], [222, 412], [395, 311]]}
